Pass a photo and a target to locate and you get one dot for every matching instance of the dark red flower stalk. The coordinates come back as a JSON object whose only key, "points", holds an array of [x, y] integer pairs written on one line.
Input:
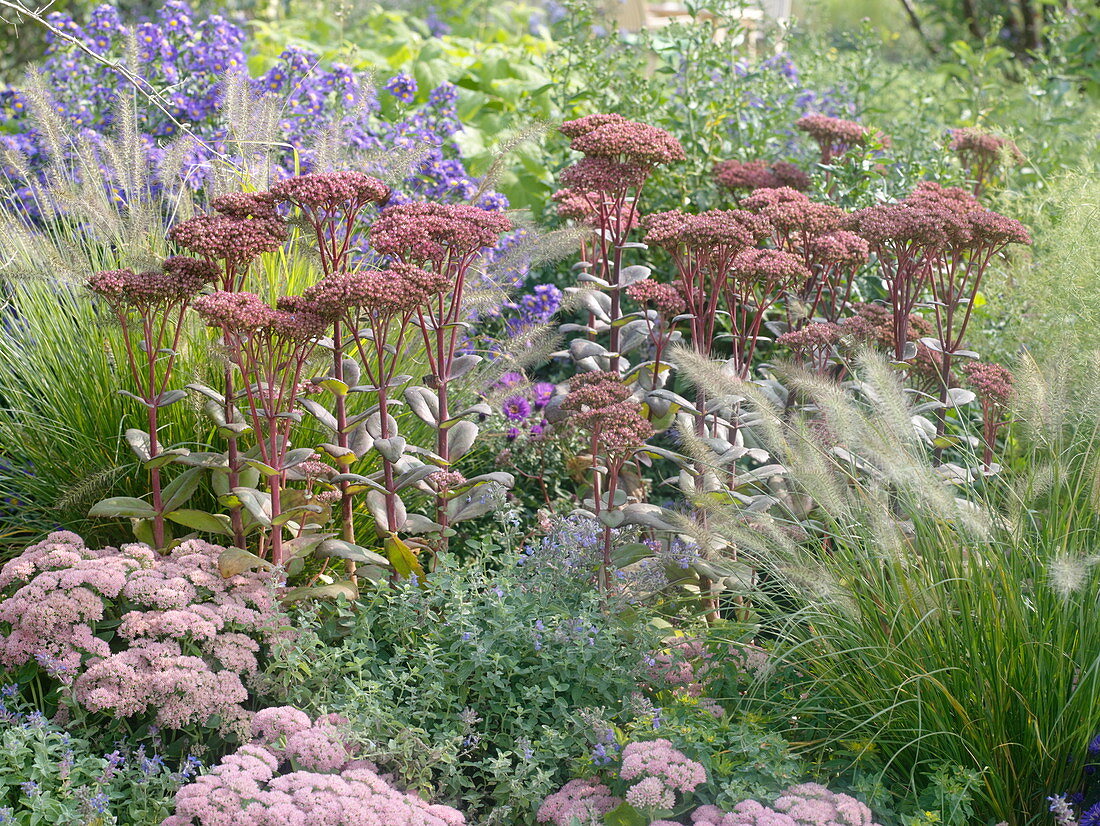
{"points": [[270, 348], [383, 302], [150, 307], [243, 226], [757, 279], [619, 156], [602, 406], [663, 303], [833, 136], [331, 205], [993, 385], [981, 153], [446, 240], [973, 238], [797, 223], [813, 345], [837, 256], [908, 239]]}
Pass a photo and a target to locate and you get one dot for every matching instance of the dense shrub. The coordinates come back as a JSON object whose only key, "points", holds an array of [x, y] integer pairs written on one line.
{"points": [[478, 686]]}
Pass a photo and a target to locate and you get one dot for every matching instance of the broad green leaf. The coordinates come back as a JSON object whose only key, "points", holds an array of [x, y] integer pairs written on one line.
{"points": [[333, 591], [124, 507], [216, 523], [235, 561], [402, 558]]}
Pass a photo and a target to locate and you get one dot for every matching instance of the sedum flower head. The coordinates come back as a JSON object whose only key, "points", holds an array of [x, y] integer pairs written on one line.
{"points": [[773, 268], [991, 381], [179, 279], [665, 298], [331, 191], [605, 175], [420, 232], [582, 802], [244, 313], [745, 176], [974, 145], [628, 141], [811, 804]]}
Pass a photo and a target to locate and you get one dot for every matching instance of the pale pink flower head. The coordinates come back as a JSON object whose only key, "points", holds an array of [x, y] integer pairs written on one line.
{"points": [[817, 337], [753, 813], [583, 802], [811, 804], [247, 313], [244, 205], [650, 794], [586, 207], [659, 759], [584, 125], [269, 725]]}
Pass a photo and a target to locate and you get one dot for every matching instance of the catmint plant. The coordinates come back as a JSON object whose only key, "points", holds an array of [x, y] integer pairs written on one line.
{"points": [[151, 307]]}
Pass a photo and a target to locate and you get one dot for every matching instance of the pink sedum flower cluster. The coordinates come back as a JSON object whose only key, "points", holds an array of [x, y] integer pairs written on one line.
{"points": [[583, 802], [660, 760], [191, 639], [743, 176], [298, 772], [811, 804], [745, 813]]}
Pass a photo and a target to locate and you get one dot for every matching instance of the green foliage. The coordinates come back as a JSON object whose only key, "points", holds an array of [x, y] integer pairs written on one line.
{"points": [[944, 631], [476, 686], [50, 776]]}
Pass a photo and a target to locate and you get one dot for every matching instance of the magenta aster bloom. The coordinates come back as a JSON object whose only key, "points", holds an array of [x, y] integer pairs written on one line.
{"points": [[543, 391], [516, 408]]}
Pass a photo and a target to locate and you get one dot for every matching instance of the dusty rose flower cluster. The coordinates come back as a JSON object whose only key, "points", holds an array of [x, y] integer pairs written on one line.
{"points": [[179, 279], [602, 404], [840, 248], [331, 192], [245, 313], [590, 208], [394, 291], [814, 342], [297, 771], [981, 152], [658, 759], [744, 176], [604, 175], [582, 802], [834, 136], [187, 639], [745, 813], [616, 138], [242, 227], [990, 380], [665, 298], [874, 324], [422, 232], [775, 269], [712, 236], [794, 216]]}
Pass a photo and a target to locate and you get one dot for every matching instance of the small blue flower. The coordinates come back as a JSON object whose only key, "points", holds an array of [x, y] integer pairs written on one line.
{"points": [[402, 86]]}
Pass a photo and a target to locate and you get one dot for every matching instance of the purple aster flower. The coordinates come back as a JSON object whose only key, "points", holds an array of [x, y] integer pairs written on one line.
{"points": [[512, 434], [516, 408], [402, 86], [543, 391]]}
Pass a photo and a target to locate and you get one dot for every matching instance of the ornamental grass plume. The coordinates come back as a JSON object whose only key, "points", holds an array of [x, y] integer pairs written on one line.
{"points": [[298, 771], [163, 638], [993, 384], [270, 348], [445, 240], [834, 136], [150, 308], [981, 153]]}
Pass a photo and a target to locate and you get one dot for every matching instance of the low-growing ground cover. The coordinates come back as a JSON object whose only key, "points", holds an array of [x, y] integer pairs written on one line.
{"points": [[746, 475]]}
